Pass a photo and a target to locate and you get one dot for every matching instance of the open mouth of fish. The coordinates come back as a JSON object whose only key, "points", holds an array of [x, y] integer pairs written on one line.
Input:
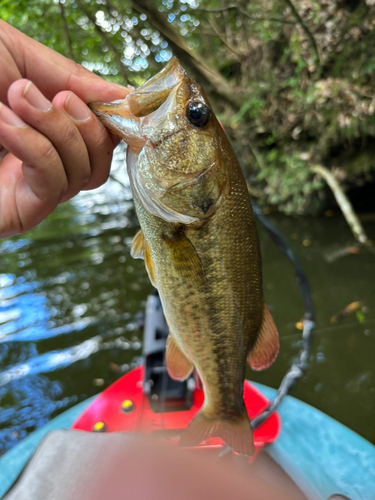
{"points": [[149, 102]]}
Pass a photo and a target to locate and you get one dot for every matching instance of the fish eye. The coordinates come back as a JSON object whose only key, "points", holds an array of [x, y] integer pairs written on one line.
{"points": [[198, 113]]}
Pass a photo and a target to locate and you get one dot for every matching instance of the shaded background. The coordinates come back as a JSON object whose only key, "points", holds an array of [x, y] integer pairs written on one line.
{"points": [[294, 85]]}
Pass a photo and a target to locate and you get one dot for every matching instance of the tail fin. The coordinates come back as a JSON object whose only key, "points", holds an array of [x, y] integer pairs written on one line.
{"points": [[236, 432]]}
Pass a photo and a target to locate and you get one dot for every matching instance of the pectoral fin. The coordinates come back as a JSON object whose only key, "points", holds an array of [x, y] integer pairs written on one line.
{"points": [[140, 250], [137, 249], [185, 258], [178, 366], [148, 264], [267, 345]]}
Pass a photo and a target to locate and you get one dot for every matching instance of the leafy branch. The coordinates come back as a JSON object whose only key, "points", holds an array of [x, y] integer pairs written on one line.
{"points": [[305, 28], [244, 12], [65, 30], [223, 39], [207, 76], [106, 39], [343, 202]]}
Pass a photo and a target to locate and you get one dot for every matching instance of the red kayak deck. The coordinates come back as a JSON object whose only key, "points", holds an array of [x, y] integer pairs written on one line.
{"points": [[123, 407]]}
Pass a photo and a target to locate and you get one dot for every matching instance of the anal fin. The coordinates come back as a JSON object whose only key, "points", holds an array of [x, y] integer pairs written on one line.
{"points": [[267, 345], [178, 366], [236, 432]]}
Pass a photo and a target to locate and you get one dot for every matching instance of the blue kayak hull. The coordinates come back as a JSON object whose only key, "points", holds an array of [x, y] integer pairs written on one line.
{"points": [[321, 455]]}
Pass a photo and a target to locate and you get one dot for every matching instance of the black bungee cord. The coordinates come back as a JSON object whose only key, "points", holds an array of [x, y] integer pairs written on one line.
{"points": [[298, 368]]}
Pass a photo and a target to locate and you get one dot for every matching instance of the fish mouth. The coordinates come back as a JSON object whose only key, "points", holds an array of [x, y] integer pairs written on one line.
{"points": [[124, 117], [152, 94]]}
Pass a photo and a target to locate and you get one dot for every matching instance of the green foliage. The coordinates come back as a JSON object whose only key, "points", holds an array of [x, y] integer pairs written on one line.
{"points": [[305, 79], [288, 181], [360, 316]]}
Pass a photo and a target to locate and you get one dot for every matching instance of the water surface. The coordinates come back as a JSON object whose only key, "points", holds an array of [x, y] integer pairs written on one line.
{"points": [[71, 297]]}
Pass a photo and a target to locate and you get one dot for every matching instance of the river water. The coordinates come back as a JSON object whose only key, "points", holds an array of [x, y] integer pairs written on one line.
{"points": [[71, 298]]}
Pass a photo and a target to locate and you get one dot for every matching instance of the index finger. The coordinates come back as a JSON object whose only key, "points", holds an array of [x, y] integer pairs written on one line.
{"points": [[52, 72]]}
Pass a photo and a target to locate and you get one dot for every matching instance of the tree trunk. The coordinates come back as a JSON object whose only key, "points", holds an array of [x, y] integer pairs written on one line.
{"points": [[211, 79]]}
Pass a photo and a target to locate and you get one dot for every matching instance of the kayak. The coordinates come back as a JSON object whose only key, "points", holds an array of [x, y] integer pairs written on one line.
{"points": [[319, 454]]}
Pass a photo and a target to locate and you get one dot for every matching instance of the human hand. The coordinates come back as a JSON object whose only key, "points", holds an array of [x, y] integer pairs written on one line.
{"points": [[56, 146]]}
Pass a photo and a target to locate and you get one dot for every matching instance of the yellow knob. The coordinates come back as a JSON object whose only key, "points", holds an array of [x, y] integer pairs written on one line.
{"points": [[99, 427], [127, 405]]}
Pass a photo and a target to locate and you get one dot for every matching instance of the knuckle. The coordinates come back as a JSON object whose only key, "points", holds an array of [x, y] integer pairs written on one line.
{"points": [[97, 181], [49, 154], [72, 140], [100, 153], [102, 142], [71, 137], [64, 188], [51, 160]]}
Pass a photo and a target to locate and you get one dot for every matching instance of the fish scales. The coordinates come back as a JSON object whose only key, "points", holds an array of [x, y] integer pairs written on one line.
{"points": [[222, 317], [200, 246]]}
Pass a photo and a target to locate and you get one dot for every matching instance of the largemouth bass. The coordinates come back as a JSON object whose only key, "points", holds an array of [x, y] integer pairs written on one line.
{"points": [[200, 245]]}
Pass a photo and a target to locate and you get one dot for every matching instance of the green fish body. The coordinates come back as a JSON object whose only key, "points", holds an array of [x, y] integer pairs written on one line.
{"points": [[199, 241]]}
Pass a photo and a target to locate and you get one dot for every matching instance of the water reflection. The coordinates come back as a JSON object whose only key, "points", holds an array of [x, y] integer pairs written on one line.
{"points": [[51, 361], [69, 298], [27, 404], [70, 294], [21, 311]]}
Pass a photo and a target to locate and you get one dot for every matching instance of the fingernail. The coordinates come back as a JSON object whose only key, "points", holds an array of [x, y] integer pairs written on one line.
{"points": [[10, 118], [34, 97], [76, 108]]}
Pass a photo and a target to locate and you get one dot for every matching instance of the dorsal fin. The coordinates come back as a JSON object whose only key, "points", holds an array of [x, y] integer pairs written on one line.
{"points": [[267, 345]]}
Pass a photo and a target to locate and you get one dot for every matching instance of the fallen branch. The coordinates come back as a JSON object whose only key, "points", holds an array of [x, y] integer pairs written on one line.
{"points": [[343, 202]]}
